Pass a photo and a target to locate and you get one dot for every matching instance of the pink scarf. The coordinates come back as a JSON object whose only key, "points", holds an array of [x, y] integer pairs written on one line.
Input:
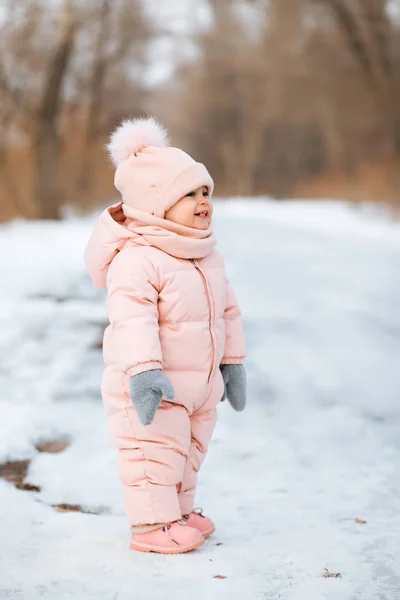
{"points": [[172, 238]]}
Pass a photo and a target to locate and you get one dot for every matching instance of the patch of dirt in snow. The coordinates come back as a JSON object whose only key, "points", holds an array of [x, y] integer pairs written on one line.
{"points": [[52, 446], [15, 472], [67, 508]]}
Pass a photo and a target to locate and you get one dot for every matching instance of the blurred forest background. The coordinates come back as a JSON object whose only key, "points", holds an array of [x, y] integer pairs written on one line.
{"points": [[290, 98]]}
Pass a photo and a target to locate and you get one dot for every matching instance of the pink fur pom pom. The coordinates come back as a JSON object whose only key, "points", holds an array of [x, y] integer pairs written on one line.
{"points": [[133, 135]]}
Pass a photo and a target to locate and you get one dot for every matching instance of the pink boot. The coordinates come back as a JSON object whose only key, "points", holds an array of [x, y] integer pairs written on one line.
{"points": [[197, 520], [175, 538]]}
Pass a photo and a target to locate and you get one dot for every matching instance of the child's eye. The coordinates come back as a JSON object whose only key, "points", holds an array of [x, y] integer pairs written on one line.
{"points": [[205, 194], [190, 194]]}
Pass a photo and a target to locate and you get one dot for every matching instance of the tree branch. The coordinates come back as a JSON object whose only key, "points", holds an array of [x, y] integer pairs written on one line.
{"points": [[348, 23]]}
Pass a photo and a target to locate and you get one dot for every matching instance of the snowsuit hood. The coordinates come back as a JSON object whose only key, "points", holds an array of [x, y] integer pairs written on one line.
{"points": [[142, 229]]}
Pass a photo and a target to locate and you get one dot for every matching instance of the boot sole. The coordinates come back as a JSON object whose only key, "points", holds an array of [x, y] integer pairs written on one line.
{"points": [[161, 550], [208, 532]]}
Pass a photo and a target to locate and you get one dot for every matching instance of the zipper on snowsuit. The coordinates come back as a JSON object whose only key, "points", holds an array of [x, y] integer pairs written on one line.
{"points": [[210, 311]]}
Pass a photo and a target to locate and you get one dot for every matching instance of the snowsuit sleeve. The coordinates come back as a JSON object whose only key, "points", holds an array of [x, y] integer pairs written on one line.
{"points": [[132, 339], [103, 246], [234, 340]]}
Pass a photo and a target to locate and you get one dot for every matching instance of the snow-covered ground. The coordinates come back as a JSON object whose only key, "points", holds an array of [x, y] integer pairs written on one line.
{"points": [[318, 447]]}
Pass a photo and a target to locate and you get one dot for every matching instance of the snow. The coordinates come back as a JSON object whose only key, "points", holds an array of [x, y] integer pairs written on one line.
{"points": [[317, 447]]}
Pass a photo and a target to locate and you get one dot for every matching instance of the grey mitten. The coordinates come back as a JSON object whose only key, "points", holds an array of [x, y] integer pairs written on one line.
{"points": [[234, 377], [147, 391]]}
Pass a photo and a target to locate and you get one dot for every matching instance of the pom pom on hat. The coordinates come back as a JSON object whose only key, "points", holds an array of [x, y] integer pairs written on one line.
{"points": [[133, 135]]}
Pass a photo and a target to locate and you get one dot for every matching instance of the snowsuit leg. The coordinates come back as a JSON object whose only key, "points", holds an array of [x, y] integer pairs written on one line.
{"points": [[151, 462], [202, 424]]}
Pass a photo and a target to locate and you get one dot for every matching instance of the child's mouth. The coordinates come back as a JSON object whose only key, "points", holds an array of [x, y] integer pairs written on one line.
{"points": [[203, 214]]}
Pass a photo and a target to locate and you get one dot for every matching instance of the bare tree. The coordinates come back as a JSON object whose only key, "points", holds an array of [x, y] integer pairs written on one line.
{"points": [[315, 90], [118, 34], [47, 146], [66, 72]]}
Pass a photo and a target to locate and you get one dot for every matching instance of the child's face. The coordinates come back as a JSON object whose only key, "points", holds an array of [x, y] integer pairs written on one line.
{"points": [[193, 210]]}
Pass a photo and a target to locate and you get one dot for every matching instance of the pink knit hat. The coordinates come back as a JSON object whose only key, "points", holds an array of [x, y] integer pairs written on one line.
{"points": [[151, 175]]}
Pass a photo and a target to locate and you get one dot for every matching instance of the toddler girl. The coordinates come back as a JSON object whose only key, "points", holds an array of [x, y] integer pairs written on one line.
{"points": [[174, 346]]}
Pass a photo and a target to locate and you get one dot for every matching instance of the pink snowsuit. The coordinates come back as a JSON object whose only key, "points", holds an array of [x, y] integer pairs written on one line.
{"points": [[167, 313]]}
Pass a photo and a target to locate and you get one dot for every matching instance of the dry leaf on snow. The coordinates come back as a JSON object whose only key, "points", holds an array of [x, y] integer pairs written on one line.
{"points": [[329, 574]]}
